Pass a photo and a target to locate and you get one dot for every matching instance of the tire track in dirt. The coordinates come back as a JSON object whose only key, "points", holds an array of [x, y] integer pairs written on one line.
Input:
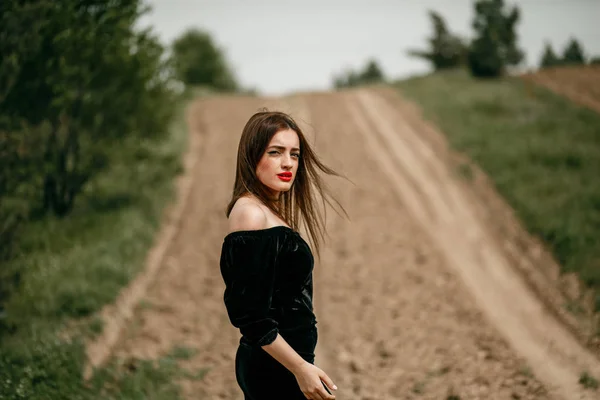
{"points": [[551, 350], [526, 253], [394, 318], [394, 321]]}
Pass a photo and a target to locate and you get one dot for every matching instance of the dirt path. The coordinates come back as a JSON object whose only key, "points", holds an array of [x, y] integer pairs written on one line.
{"points": [[414, 298], [580, 83]]}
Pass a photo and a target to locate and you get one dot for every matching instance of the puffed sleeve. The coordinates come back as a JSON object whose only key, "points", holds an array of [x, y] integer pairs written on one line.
{"points": [[248, 270]]}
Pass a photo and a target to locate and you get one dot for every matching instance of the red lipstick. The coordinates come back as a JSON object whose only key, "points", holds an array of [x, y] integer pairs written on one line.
{"points": [[285, 176]]}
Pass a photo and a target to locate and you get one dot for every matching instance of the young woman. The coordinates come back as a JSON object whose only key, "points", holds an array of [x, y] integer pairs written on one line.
{"points": [[266, 264]]}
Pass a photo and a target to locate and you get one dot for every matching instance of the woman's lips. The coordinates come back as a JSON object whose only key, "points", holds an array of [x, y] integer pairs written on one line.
{"points": [[285, 176]]}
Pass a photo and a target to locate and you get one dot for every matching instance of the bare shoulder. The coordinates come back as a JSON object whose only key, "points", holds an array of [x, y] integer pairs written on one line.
{"points": [[246, 215]]}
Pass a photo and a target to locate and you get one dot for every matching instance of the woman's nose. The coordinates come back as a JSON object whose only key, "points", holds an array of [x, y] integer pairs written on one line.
{"points": [[286, 160]]}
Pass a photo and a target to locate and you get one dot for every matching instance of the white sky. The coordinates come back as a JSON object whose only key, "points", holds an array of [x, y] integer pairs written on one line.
{"points": [[278, 46]]}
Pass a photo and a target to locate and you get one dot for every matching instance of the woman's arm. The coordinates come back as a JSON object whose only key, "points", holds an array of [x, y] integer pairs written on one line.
{"points": [[310, 378]]}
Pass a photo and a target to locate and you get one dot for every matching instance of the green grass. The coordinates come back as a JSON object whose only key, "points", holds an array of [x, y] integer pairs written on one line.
{"points": [[182, 352], [73, 266], [541, 151], [588, 381]]}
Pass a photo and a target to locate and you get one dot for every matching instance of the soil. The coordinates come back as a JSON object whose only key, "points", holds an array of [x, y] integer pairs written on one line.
{"points": [[580, 84]]}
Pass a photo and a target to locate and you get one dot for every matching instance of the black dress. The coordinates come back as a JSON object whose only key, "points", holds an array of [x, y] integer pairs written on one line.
{"points": [[269, 290]]}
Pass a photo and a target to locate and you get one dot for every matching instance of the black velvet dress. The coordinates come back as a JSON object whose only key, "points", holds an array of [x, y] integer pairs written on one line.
{"points": [[268, 278]]}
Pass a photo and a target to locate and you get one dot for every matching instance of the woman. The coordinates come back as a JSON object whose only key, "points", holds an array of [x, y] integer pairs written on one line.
{"points": [[267, 266]]}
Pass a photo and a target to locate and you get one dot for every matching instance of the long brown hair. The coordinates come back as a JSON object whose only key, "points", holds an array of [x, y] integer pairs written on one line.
{"points": [[297, 204]]}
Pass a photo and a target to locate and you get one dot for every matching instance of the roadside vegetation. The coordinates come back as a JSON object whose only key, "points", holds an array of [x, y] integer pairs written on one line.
{"points": [[91, 136], [70, 267]]}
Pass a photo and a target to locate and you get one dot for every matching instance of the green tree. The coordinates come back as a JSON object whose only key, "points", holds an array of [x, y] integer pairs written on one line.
{"points": [[446, 50], [348, 78], [198, 61], [78, 83], [371, 73], [573, 53], [595, 60], [495, 44], [549, 57], [77, 78]]}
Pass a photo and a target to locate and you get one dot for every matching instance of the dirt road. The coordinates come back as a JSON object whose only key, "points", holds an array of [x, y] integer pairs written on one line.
{"points": [[580, 83], [415, 298]]}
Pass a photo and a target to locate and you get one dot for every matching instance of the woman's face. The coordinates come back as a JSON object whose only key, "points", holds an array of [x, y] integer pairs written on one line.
{"points": [[278, 166]]}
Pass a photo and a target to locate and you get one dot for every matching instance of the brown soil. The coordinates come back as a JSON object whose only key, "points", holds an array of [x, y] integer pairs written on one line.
{"points": [[580, 84], [416, 296]]}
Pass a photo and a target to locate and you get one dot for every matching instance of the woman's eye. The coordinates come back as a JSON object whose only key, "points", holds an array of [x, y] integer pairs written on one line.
{"points": [[273, 152], [296, 155]]}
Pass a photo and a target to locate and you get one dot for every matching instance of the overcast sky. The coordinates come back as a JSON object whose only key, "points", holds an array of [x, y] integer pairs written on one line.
{"points": [[279, 46]]}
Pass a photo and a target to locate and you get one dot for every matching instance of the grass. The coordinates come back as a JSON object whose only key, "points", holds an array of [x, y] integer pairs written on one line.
{"points": [[588, 381], [419, 387], [526, 371], [75, 265], [182, 352], [541, 151]]}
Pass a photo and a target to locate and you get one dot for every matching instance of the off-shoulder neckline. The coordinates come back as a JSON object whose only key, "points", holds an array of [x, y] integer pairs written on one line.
{"points": [[260, 232]]}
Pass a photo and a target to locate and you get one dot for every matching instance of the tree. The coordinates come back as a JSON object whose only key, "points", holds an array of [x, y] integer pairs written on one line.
{"points": [[549, 57], [495, 44], [573, 53], [371, 73], [348, 78], [445, 49], [198, 61], [77, 83], [77, 79], [595, 60]]}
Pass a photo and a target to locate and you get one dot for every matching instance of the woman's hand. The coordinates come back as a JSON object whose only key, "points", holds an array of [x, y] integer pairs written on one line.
{"points": [[310, 379]]}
